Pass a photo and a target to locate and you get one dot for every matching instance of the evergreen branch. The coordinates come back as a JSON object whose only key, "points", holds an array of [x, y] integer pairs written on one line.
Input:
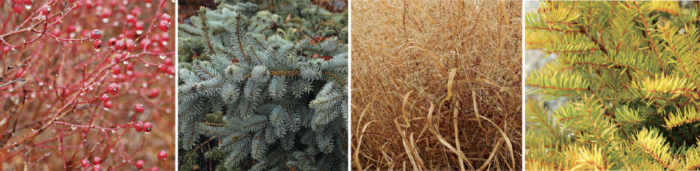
{"points": [[595, 41], [654, 145], [615, 65], [664, 30], [686, 116], [559, 88], [238, 36], [646, 29], [203, 14], [213, 124], [336, 77], [654, 156], [569, 118], [572, 51], [554, 29], [587, 102]]}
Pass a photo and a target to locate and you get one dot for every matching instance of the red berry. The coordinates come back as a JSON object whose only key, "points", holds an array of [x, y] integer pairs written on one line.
{"points": [[139, 164], [130, 44], [118, 57], [131, 18], [163, 68], [155, 38], [165, 17], [145, 43], [121, 77], [138, 108], [106, 13], [97, 160], [28, 2], [72, 28], [116, 69], [157, 50], [153, 93], [112, 41], [171, 70], [88, 4], [107, 104], [96, 34], [97, 168], [113, 88], [147, 127], [164, 38], [122, 8], [155, 169], [121, 36], [139, 25], [162, 154], [85, 163], [6, 49], [120, 44], [97, 44], [131, 33], [138, 126], [45, 10], [163, 25], [130, 66], [168, 61], [17, 8], [104, 97], [56, 32], [129, 75], [136, 11]]}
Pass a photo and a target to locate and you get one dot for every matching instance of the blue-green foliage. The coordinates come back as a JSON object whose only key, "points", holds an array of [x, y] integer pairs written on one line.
{"points": [[257, 94]]}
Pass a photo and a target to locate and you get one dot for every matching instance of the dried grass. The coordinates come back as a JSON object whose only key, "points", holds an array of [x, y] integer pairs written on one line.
{"points": [[436, 85]]}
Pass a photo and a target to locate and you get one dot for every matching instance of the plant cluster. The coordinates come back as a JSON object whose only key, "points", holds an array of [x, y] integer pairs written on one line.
{"points": [[263, 86], [86, 84], [436, 85], [630, 73]]}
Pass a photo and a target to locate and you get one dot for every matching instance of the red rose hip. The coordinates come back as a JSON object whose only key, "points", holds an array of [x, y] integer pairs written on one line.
{"points": [[96, 34], [138, 108], [138, 126], [162, 154], [147, 127], [113, 88]]}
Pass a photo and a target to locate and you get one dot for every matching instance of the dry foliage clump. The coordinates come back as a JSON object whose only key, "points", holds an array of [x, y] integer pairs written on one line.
{"points": [[436, 85]]}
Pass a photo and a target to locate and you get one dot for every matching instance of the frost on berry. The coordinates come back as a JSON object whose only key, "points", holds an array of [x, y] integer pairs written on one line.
{"points": [[139, 108], [147, 127], [97, 160], [164, 25], [72, 72], [85, 163], [153, 93], [138, 126], [97, 44], [113, 88], [162, 154], [139, 164], [104, 97], [96, 34]]}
